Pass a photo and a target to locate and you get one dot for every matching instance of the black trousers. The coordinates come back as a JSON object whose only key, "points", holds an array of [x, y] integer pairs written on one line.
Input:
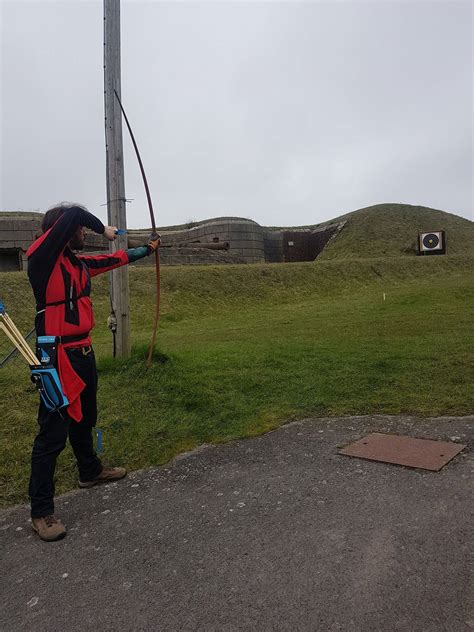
{"points": [[54, 430]]}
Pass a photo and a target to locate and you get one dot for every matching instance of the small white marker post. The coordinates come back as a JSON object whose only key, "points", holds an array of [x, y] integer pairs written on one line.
{"points": [[384, 296]]}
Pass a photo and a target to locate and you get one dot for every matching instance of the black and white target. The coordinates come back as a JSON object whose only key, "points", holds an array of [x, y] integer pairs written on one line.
{"points": [[430, 241]]}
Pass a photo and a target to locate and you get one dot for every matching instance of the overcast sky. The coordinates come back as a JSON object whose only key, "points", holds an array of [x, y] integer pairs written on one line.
{"points": [[288, 113]]}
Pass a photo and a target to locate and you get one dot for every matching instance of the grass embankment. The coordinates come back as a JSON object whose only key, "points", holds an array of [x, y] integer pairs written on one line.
{"points": [[391, 230], [241, 349]]}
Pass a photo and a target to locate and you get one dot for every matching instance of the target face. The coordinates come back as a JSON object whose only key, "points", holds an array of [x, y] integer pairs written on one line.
{"points": [[430, 240]]}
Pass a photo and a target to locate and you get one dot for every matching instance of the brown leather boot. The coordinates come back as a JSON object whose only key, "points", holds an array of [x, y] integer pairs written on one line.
{"points": [[107, 475], [48, 528]]}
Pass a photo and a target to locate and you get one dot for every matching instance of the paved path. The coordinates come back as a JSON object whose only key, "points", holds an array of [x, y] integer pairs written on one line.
{"points": [[273, 533]]}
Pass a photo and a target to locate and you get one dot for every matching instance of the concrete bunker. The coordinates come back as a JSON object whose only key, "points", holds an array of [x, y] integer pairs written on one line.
{"points": [[214, 241]]}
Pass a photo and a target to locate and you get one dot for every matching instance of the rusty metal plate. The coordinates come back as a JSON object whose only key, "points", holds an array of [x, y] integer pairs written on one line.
{"points": [[422, 453]]}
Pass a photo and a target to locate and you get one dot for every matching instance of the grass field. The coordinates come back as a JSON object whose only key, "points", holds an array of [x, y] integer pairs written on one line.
{"points": [[242, 349]]}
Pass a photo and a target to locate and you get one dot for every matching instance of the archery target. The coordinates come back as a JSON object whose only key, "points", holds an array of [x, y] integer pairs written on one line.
{"points": [[432, 242]]}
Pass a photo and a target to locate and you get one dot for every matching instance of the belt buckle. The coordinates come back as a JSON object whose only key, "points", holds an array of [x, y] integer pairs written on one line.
{"points": [[86, 350]]}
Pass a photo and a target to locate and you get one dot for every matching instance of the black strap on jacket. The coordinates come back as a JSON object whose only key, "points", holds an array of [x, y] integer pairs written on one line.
{"points": [[41, 307], [62, 340], [65, 339]]}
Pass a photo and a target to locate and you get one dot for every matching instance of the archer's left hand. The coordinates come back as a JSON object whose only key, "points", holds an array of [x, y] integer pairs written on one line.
{"points": [[154, 241]]}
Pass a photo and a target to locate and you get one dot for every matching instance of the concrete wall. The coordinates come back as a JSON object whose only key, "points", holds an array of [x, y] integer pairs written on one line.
{"points": [[248, 241], [245, 237], [16, 235], [17, 232]]}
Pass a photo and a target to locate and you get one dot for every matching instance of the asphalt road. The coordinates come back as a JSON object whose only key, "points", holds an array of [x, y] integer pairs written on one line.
{"points": [[273, 533]]}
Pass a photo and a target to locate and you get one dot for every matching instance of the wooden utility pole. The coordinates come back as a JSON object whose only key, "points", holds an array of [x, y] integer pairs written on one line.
{"points": [[116, 209]]}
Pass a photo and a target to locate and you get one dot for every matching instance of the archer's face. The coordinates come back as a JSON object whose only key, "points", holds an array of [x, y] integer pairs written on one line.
{"points": [[78, 241]]}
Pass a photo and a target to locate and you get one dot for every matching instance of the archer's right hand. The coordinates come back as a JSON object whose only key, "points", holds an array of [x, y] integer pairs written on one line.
{"points": [[110, 233]]}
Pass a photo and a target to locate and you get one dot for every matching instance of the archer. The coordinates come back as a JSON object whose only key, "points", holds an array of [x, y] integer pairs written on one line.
{"points": [[61, 282]]}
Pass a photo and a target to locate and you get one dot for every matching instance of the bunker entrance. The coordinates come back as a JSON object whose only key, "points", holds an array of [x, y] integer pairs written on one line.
{"points": [[10, 260], [305, 245]]}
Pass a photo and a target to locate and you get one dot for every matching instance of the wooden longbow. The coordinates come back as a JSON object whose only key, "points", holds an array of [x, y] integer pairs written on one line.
{"points": [[153, 236]]}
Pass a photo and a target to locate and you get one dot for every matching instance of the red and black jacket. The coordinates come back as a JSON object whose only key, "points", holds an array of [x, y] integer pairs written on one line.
{"points": [[61, 280], [61, 285]]}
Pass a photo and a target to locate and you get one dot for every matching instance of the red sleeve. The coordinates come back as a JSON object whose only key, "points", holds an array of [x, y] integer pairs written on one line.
{"points": [[105, 263]]}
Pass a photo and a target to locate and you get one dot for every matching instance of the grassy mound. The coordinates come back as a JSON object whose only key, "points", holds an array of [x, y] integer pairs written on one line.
{"points": [[391, 230], [241, 349]]}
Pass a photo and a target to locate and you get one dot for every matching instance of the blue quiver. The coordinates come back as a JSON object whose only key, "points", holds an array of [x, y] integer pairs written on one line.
{"points": [[45, 376]]}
